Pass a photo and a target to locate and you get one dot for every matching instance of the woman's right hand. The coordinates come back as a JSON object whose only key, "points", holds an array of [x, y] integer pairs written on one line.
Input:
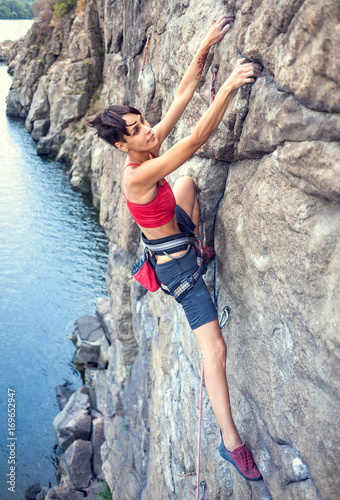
{"points": [[243, 73], [217, 30]]}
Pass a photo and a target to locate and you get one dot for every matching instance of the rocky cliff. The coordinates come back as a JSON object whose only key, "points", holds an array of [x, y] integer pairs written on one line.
{"points": [[269, 191]]}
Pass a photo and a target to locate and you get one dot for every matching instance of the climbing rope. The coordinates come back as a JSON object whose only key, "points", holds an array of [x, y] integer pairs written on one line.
{"points": [[214, 69], [199, 437], [201, 486]]}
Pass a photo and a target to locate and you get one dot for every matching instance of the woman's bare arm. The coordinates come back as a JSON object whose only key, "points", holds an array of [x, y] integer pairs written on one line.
{"points": [[150, 172], [189, 82]]}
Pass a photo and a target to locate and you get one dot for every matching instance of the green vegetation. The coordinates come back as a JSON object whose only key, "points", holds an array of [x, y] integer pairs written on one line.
{"points": [[27, 9], [63, 6], [127, 369], [16, 9], [105, 493]]}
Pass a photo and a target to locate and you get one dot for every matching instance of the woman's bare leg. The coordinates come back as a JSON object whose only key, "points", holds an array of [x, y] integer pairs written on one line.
{"points": [[214, 351], [209, 336], [186, 197]]}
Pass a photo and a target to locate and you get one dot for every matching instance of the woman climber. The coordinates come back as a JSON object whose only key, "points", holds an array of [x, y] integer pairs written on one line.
{"points": [[164, 215]]}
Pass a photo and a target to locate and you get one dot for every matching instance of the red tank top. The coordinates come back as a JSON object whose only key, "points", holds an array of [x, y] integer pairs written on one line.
{"points": [[158, 211]]}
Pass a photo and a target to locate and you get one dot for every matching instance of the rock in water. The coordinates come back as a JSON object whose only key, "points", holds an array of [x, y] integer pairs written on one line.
{"points": [[74, 421], [31, 491]]}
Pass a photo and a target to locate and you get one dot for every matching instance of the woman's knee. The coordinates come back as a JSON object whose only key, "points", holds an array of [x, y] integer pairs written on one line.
{"points": [[221, 351], [185, 195], [218, 352], [185, 183]]}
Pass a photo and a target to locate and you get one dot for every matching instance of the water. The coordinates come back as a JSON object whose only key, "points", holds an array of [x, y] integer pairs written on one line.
{"points": [[13, 29], [53, 258]]}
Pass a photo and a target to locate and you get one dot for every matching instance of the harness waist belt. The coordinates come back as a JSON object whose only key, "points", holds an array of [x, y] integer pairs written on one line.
{"points": [[173, 243]]}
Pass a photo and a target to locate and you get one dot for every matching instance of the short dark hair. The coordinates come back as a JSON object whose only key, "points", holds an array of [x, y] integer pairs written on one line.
{"points": [[109, 124]]}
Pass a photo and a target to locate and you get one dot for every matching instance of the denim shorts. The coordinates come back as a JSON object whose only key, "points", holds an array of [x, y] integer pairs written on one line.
{"points": [[197, 304]]}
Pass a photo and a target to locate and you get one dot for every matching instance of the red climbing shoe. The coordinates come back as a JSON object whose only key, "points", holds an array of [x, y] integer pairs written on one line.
{"points": [[208, 255], [242, 460]]}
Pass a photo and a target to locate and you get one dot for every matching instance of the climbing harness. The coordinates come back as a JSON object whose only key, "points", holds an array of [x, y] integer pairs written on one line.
{"points": [[173, 243], [144, 270], [214, 69], [176, 243], [144, 58], [201, 486]]}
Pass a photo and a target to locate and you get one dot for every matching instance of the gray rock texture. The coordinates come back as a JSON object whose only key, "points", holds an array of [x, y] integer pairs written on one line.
{"points": [[32, 491], [74, 421], [55, 74], [97, 439], [75, 464], [89, 337], [62, 493], [269, 189]]}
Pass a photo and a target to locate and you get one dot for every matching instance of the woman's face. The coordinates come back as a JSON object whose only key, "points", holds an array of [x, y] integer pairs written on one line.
{"points": [[141, 136]]}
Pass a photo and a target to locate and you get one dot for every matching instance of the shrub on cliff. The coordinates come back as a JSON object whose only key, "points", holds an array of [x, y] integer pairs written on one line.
{"points": [[52, 9], [45, 10], [63, 6]]}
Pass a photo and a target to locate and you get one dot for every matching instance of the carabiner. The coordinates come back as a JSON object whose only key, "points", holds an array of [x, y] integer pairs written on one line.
{"points": [[203, 485], [226, 311]]}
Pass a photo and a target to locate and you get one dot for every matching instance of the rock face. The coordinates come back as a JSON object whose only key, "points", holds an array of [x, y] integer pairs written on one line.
{"points": [[269, 190], [55, 74], [79, 429]]}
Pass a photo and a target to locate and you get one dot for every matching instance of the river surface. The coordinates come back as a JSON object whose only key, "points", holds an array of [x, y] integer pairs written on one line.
{"points": [[13, 29], [53, 259]]}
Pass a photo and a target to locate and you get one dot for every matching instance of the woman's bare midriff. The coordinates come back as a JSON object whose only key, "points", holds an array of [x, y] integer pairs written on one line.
{"points": [[154, 233]]}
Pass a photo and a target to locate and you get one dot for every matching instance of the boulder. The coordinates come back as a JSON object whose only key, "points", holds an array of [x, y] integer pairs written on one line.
{"points": [[40, 129], [64, 493], [97, 439], [74, 421], [90, 340], [96, 381], [32, 491], [43, 493], [63, 393], [75, 464], [39, 109], [48, 145]]}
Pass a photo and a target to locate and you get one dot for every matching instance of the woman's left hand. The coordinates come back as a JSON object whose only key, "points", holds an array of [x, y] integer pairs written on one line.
{"points": [[218, 29]]}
